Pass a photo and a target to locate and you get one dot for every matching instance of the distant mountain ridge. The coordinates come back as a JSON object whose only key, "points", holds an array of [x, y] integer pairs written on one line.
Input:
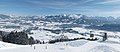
{"points": [[67, 18]]}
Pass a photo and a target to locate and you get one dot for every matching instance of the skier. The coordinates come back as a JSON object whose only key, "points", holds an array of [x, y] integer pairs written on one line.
{"points": [[34, 47]]}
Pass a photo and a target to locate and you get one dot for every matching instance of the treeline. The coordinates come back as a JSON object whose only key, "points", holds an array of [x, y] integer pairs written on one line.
{"points": [[65, 40], [58, 31], [17, 38]]}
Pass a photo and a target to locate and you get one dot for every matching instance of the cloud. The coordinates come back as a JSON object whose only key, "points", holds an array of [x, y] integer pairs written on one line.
{"points": [[109, 2], [45, 3], [61, 6], [59, 3], [88, 1]]}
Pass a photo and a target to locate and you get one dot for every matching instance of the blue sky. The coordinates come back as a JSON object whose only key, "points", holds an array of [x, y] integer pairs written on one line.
{"points": [[46, 7]]}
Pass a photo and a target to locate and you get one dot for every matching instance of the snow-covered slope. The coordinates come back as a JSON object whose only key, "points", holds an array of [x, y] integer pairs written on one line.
{"points": [[112, 44], [74, 46], [37, 24], [4, 45]]}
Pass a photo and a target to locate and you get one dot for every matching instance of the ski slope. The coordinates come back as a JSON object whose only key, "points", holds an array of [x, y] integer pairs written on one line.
{"points": [[74, 46]]}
